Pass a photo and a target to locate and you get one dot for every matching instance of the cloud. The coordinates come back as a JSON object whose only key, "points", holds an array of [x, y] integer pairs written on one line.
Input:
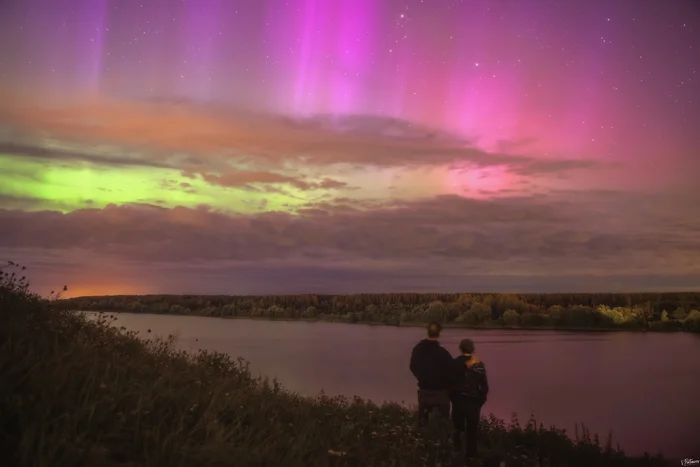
{"points": [[221, 136], [51, 155], [246, 178], [20, 202], [514, 236]]}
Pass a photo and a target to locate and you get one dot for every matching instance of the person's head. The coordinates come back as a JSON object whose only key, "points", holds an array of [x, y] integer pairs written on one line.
{"points": [[434, 329], [466, 346]]}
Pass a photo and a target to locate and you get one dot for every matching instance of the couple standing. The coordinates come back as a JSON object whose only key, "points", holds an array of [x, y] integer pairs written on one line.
{"points": [[443, 380]]}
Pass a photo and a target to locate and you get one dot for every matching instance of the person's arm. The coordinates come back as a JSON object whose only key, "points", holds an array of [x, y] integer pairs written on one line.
{"points": [[413, 366], [449, 368], [484, 386], [456, 374]]}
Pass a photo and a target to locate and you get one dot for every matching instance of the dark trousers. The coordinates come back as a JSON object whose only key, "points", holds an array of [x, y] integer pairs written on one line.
{"points": [[432, 400], [466, 414]]}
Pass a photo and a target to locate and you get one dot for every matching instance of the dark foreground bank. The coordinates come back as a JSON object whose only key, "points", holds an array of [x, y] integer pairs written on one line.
{"points": [[79, 392]]}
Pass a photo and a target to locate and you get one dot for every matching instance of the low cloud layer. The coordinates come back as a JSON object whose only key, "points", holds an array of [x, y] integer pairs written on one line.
{"points": [[445, 238]]}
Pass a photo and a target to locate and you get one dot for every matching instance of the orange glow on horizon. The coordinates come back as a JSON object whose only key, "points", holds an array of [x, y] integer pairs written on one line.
{"points": [[90, 290]]}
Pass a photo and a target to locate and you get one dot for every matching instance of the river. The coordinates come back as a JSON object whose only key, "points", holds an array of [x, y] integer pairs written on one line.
{"points": [[645, 387]]}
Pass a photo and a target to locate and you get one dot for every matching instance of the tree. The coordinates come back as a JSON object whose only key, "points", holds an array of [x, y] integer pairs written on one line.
{"points": [[679, 313], [310, 312], [692, 322], [178, 310], [481, 312], [511, 318], [275, 311], [611, 316], [454, 310], [555, 314], [534, 319], [694, 315], [437, 311], [579, 316], [505, 302]]}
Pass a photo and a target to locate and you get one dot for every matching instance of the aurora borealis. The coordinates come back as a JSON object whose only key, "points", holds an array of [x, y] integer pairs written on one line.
{"points": [[270, 146]]}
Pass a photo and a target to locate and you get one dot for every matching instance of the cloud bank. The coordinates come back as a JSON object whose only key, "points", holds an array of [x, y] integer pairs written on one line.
{"points": [[185, 196]]}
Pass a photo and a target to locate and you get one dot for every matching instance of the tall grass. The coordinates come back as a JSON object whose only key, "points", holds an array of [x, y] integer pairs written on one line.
{"points": [[81, 392]]}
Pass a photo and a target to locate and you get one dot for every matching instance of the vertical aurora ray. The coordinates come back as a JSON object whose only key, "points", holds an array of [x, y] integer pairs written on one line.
{"points": [[586, 100], [326, 48], [470, 107], [396, 76], [306, 86], [483, 97], [353, 50], [199, 47], [94, 20], [71, 61], [282, 44]]}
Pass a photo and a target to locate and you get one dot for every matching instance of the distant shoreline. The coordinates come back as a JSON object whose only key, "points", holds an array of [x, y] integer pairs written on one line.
{"points": [[564, 313], [492, 327]]}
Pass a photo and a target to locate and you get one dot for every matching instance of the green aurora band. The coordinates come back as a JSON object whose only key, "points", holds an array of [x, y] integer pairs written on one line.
{"points": [[71, 185]]}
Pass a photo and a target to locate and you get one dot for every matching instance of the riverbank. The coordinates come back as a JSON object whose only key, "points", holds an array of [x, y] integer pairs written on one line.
{"points": [[82, 392], [560, 312], [448, 325]]}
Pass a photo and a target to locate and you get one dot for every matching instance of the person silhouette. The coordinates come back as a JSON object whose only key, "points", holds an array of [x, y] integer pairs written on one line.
{"points": [[468, 397], [433, 367]]}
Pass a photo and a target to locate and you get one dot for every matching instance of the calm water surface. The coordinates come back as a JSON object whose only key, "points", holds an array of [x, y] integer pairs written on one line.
{"points": [[643, 387]]}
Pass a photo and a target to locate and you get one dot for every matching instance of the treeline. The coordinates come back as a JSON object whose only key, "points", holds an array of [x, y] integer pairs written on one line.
{"points": [[641, 311]]}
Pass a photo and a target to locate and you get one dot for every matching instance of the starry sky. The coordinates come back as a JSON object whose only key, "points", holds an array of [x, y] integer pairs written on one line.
{"points": [[318, 146]]}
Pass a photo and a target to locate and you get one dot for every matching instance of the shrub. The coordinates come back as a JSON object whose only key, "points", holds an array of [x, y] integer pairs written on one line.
{"points": [[511, 318]]}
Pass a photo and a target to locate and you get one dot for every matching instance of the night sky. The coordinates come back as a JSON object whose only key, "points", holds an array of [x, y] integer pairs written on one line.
{"points": [[292, 146]]}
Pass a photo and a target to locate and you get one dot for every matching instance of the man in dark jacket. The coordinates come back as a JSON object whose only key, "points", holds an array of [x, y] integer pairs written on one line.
{"points": [[468, 396], [433, 367]]}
